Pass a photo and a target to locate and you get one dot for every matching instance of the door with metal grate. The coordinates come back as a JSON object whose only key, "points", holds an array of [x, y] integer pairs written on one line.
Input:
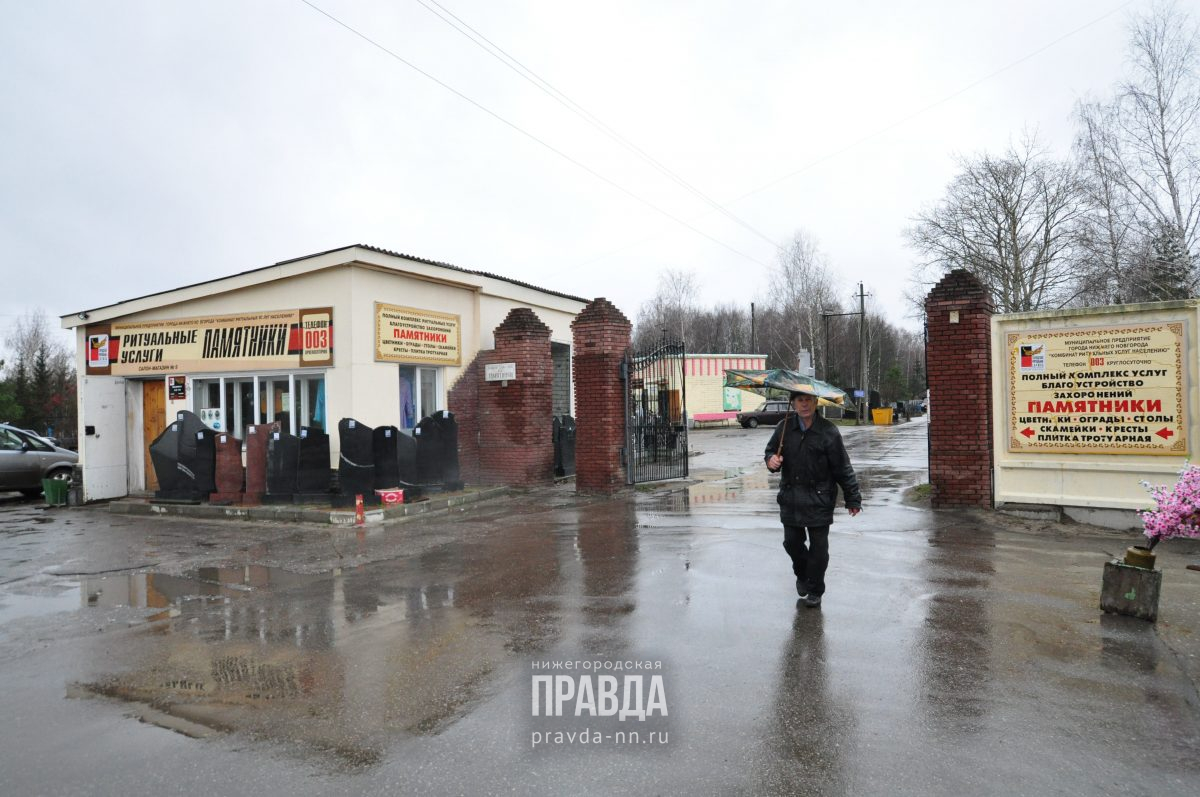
{"points": [[656, 441]]}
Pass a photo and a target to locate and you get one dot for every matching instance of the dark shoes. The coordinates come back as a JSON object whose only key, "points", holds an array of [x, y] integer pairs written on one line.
{"points": [[812, 601], [801, 590]]}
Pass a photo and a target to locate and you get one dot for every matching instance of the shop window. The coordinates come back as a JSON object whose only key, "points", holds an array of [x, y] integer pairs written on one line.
{"points": [[230, 404], [420, 394], [312, 402]]}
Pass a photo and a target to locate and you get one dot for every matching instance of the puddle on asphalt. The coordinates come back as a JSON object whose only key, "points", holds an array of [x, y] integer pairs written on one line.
{"points": [[143, 590], [150, 590], [337, 663], [17, 607]]}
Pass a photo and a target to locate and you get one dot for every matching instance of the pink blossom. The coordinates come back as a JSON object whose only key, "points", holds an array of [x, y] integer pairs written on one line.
{"points": [[1178, 512]]}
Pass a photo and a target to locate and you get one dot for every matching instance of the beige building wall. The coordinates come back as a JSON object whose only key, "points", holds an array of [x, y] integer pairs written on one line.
{"points": [[350, 281], [1093, 481], [706, 381]]}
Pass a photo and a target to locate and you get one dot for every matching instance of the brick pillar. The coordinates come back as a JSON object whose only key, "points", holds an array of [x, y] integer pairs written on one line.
{"points": [[463, 401], [514, 421], [959, 361], [601, 336]]}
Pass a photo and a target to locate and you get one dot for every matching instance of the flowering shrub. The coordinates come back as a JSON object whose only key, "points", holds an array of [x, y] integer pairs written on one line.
{"points": [[1178, 512]]}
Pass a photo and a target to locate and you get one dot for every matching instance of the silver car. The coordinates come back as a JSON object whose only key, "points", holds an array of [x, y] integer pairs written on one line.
{"points": [[26, 459]]}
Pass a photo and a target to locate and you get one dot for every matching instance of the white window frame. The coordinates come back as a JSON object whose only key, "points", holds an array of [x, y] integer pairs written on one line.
{"points": [[264, 387]]}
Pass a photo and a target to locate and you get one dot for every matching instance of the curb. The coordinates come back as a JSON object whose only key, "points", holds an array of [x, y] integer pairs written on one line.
{"points": [[300, 514]]}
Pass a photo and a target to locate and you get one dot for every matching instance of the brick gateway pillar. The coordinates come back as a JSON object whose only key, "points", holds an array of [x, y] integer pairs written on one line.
{"points": [[601, 335], [504, 429], [958, 313]]}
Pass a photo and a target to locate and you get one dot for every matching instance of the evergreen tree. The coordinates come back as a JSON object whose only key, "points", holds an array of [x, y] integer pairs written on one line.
{"points": [[40, 392], [9, 409], [1165, 271], [21, 393]]}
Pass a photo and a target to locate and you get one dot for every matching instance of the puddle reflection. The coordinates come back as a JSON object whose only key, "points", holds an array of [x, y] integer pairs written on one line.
{"points": [[811, 729], [956, 640]]}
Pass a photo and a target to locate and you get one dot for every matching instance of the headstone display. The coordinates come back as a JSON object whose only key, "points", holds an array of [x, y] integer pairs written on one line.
{"points": [[257, 438], [356, 463], [395, 466], [312, 482], [406, 456], [437, 450], [283, 465], [564, 446], [230, 475], [184, 459], [385, 445]]}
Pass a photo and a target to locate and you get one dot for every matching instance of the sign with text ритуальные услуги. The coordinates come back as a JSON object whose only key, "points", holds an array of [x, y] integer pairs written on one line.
{"points": [[421, 337], [254, 341], [1098, 390]]}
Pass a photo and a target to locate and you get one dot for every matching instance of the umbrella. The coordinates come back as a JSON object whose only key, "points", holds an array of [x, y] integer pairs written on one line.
{"points": [[780, 382]]}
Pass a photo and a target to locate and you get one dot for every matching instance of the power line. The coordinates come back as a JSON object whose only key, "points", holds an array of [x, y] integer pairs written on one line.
{"points": [[888, 128], [497, 52], [905, 119], [527, 134]]}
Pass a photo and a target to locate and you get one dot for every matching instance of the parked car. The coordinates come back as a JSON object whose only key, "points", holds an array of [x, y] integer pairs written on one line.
{"points": [[51, 440], [26, 459], [770, 413]]}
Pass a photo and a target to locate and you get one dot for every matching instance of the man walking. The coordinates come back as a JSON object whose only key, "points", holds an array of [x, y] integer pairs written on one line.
{"points": [[809, 450]]}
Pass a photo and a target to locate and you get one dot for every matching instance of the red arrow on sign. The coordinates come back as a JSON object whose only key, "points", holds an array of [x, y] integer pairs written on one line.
{"points": [[1164, 433], [1028, 432]]}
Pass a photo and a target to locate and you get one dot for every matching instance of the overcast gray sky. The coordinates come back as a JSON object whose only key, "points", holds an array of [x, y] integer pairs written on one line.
{"points": [[151, 144]]}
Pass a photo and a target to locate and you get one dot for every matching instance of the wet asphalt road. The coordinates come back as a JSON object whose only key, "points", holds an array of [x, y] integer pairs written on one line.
{"points": [[956, 652]]}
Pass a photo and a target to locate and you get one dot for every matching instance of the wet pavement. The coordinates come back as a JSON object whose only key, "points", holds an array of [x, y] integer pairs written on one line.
{"points": [[955, 653]]}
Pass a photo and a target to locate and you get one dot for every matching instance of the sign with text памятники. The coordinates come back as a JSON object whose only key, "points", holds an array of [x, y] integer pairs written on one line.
{"points": [[409, 335], [1099, 390], [499, 372], [254, 341]]}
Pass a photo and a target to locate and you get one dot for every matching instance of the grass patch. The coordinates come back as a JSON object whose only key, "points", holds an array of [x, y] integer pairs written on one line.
{"points": [[918, 493]]}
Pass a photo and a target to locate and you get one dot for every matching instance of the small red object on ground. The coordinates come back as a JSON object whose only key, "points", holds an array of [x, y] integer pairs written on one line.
{"points": [[360, 517], [392, 495]]}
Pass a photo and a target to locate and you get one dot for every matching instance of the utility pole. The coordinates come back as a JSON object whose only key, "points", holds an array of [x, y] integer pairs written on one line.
{"points": [[753, 344], [862, 353], [862, 350]]}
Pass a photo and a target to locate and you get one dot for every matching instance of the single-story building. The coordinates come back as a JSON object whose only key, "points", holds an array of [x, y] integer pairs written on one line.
{"points": [[356, 332], [707, 397]]}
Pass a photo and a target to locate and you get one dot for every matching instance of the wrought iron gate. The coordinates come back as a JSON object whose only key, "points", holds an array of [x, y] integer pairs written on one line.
{"points": [[656, 443]]}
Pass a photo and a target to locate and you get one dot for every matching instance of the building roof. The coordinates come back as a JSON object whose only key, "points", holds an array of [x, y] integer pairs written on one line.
{"points": [[78, 317]]}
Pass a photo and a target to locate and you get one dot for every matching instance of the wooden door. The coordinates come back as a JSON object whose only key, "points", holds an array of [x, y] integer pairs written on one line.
{"points": [[154, 420]]}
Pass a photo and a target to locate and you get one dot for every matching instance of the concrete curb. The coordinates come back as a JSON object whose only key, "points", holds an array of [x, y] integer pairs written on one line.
{"points": [[303, 514]]}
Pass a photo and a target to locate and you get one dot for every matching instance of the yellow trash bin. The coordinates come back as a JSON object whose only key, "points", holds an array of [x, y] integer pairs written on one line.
{"points": [[882, 416]]}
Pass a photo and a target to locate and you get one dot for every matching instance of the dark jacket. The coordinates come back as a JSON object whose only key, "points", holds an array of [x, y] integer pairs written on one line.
{"points": [[815, 464]]}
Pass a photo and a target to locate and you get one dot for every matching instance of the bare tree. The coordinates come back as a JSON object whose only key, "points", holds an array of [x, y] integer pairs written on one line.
{"points": [[671, 309], [802, 287], [1106, 233], [1158, 154], [31, 333], [37, 390], [1009, 220]]}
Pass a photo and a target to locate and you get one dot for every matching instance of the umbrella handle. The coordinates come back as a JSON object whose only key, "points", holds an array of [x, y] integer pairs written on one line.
{"points": [[783, 434]]}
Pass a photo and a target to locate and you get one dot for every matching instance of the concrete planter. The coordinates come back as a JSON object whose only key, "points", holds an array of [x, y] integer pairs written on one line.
{"points": [[1132, 591]]}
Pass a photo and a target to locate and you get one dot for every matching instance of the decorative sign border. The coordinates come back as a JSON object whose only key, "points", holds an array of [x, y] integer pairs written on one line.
{"points": [[1104, 395], [411, 335]]}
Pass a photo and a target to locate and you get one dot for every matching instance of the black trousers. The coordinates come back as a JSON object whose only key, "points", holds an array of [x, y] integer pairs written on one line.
{"points": [[808, 563]]}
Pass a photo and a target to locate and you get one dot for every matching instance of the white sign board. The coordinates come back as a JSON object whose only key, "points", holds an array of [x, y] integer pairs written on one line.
{"points": [[1099, 390], [499, 372]]}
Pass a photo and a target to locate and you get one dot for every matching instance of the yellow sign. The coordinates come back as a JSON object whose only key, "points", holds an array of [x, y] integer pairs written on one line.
{"points": [[243, 342], [1100, 390], [407, 335]]}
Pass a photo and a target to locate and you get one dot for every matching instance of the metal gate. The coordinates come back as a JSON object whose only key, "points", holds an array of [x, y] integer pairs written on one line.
{"points": [[656, 442]]}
